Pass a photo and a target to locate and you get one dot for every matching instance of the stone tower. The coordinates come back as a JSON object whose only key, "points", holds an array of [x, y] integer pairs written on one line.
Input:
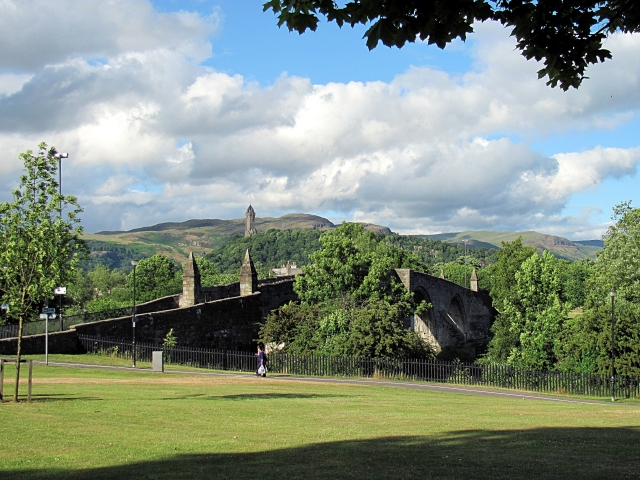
{"points": [[190, 283], [250, 218], [474, 281], [248, 276]]}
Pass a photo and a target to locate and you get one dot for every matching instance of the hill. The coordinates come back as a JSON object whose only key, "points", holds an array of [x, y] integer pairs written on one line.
{"points": [[559, 246], [177, 239]]}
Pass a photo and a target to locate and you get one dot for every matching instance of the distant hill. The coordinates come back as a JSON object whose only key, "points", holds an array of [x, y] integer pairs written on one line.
{"points": [[559, 246], [177, 239]]}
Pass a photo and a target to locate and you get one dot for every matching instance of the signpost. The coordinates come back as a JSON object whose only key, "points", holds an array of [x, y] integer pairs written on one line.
{"points": [[60, 291], [46, 313]]}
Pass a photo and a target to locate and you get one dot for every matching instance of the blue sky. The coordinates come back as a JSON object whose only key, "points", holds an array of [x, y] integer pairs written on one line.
{"points": [[173, 110]]}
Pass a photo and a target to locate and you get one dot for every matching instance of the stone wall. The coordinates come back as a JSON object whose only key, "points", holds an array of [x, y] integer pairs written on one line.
{"points": [[164, 303], [230, 323], [59, 342]]}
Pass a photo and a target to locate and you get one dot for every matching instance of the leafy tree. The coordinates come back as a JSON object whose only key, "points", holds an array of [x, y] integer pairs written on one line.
{"points": [[356, 264], [295, 326], [209, 275], [532, 317], [268, 249], [106, 281], [502, 274], [567, 35], [350, 302], [41, 246], [80, 291], [156, 277], [455, 271], [587, 339], [574, 277]]}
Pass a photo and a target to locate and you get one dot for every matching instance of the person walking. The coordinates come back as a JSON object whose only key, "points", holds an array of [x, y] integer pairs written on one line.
{"points": [[262, 362]]}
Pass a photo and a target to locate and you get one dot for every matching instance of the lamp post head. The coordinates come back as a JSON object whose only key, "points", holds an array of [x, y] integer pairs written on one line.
{"points": [[61, 155], [134, 263], [612, 293]]}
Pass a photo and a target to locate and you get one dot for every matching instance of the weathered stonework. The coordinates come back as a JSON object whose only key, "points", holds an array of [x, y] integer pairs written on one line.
{"points": [[459, 318], [190, 283], [473, 285], [248, 276]]}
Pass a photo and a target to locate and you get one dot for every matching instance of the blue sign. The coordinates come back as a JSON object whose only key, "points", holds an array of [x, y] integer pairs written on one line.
{"points": [[48, 310]]}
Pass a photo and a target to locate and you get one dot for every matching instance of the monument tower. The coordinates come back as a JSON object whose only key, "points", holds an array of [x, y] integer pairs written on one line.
{"points": [[250, 218]]}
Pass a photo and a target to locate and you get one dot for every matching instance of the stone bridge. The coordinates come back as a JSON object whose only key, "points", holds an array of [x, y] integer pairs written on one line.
{"points": [[459, 320]]}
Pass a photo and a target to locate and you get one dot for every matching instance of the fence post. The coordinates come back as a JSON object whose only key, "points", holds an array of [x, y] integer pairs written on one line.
{"points": [[30, 378], [1, 378]]}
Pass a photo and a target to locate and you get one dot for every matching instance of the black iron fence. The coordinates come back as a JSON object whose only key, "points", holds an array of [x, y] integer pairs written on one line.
{"points": [[501, 376], [38, 327]]}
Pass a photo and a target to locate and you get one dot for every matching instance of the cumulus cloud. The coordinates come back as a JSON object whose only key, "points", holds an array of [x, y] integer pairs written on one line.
{"points": [[155, 136], [36, 33]]}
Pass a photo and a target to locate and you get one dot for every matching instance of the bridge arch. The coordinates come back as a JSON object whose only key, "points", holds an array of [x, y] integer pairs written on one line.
{"points": [[456, 314]]}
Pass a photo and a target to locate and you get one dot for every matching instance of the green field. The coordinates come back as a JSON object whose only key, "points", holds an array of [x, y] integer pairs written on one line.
{"points": [[90, 423]]}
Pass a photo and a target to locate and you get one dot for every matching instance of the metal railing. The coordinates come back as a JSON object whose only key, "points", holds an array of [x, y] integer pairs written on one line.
{"points": [[38, 327], [501, 376]]}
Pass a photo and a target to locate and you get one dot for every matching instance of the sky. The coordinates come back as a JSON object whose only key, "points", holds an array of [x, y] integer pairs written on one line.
{"points": [[172, 110]]}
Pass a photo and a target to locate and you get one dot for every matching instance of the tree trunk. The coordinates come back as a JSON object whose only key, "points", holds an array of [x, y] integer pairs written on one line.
{"points": [[18, 355]]}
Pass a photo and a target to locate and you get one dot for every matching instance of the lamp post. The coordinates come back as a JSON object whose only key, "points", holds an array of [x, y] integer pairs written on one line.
{"points": [[465, 263], [60, 156], [612, 293], [133, 318]]}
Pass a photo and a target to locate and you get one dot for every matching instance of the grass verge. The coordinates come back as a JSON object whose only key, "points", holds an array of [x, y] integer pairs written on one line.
{"points": [[94, 424]]}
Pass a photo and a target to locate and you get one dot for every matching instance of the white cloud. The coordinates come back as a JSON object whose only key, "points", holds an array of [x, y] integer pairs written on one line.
{"points": [[36, 33], [154, 136]]}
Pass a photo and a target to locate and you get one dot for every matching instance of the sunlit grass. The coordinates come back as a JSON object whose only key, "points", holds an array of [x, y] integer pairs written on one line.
{"points": [[89, 423]]}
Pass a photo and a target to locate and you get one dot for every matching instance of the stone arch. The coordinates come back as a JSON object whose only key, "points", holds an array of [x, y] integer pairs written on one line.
{"points": [[455, 312], [424, 324]]}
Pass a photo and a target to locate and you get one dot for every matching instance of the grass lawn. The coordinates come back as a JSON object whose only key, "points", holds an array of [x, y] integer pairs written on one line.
{"points": [[98, 424]]}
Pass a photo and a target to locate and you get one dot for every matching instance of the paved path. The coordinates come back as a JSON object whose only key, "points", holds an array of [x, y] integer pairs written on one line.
{"points": [[466, 390]]}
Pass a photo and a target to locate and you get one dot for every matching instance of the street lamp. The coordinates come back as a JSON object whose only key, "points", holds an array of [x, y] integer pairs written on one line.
{"points": [[465, 262], [612, 293], [60, 156], [133, 318]]}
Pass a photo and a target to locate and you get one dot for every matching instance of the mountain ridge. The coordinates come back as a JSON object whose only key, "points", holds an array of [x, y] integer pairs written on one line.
{"points": [[177, 239]]}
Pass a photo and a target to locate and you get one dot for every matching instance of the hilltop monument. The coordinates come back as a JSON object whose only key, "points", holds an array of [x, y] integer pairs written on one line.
{"points": [[250, 218]]}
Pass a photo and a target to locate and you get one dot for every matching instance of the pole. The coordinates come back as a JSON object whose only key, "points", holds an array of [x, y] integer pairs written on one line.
{"points": [[133, 319], [465, 264], [46, 340], [60, 182], [613, 354], [60, 312]]}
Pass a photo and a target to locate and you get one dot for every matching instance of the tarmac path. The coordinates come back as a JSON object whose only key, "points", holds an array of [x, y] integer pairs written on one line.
{"points": [[460, 389]]}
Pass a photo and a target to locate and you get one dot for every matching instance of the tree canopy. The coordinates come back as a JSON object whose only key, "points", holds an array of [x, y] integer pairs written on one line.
{"points": [[41, 243], [567, 35], [350, 302]]}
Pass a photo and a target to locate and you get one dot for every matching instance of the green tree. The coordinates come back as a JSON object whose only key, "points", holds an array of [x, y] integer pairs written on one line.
{"points": [[587, 338], [567, 35], [80, 291], [351, 304], [502, 274], [105, 280], [574, 278], [156, 277], [356, 264], [41, 242], [534, 316]]}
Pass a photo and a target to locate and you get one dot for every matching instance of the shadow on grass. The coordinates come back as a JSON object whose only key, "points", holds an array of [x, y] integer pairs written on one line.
{"points": [[255, 396], [479, 454]]}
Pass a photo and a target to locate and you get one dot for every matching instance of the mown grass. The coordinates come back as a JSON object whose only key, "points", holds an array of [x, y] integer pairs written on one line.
{"points": [[89, 423]]}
